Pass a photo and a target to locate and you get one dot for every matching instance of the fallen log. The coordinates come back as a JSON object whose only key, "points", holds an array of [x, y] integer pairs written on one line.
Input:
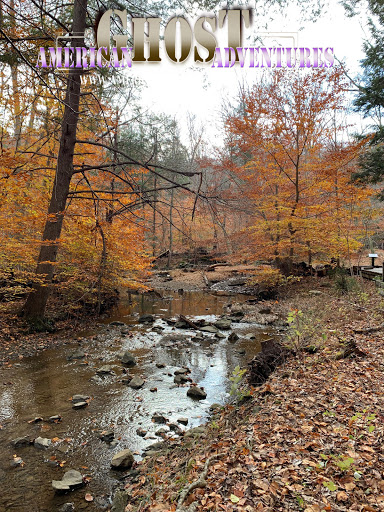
{"points": [[188, 322], [368, 330]]}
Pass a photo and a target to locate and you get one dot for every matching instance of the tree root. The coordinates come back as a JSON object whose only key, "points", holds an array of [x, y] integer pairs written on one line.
{"points": [[200, 482]]}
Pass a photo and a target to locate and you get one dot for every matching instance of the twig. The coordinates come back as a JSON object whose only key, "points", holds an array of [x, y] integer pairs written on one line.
{"points": [[200, 482]]}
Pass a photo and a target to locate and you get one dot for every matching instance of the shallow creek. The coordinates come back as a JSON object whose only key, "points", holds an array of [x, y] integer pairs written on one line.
{"points": [[42, 386]]}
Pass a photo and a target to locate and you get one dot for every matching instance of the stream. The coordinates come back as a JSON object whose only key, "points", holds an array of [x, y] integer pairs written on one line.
{"points": [[42, 386]]}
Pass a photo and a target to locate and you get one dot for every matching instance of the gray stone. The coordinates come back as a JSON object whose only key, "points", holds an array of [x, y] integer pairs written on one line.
{"points": [[181, 379], [117, 323], [314, 292], [105, 370], [223, 324], [120, 501], [155, 447], [233, 337], [241, 351], [21, 441], [79, 405], [161, 431], [127, 379], [160, 365], [141, 432], [182, 371], [209, 328], [220, 335], [214, 407], [159, 418], [123, 460], [183, 421], [124, 330], [78, 354], [67, 507], [180, 324], [137, 382], [107, 435], [197, 393], [128, 359], [175, 428], [72, 479], [192, 432], [146, 319], [79, 398], [55, 419], [42, 443]]}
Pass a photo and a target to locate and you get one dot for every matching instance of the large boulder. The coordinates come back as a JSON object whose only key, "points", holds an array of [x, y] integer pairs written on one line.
{"points": [[123, 460]]}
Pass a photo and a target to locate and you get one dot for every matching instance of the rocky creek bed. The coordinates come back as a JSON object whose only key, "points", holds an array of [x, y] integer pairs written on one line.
{"points": [[126, 384]]}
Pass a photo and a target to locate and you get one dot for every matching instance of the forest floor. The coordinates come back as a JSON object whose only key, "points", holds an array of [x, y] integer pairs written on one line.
{"points": [[309, 439]]}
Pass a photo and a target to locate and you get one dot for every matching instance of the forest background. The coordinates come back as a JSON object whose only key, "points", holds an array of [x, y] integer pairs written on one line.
{"points": [[95, 186]]}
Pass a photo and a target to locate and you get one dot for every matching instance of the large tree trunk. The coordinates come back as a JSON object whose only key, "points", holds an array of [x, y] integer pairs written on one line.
{"points": [[34, 307]]}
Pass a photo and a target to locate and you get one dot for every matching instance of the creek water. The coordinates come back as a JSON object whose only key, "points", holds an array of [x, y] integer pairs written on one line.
{"points": [[42, 386]]}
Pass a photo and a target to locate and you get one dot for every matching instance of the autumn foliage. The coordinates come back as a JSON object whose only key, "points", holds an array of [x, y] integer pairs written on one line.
{"points": [[291, 162]]}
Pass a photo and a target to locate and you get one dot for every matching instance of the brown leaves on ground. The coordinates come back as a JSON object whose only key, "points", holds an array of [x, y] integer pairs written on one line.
{"points": [[311, 439]]}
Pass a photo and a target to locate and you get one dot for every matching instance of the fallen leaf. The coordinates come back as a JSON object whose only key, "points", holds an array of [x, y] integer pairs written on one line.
{"points": [[342, 496]]}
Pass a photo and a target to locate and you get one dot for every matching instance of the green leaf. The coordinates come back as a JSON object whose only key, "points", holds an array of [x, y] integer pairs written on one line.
{"points": [[234, 498], [330, 485]]}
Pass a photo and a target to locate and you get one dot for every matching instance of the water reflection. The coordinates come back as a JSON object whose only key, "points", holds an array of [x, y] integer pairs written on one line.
{"points": [[43, 385]]}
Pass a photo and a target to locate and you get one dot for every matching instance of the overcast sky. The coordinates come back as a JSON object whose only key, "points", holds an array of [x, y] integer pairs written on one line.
{"points": [[178, 88]]}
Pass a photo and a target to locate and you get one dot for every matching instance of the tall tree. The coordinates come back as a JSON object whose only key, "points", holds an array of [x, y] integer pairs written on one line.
{"points": [[34, 307]]}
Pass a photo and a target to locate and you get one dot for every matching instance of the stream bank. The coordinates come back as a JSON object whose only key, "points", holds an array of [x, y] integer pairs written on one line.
{"points": [[309, 439], [76, 405]]}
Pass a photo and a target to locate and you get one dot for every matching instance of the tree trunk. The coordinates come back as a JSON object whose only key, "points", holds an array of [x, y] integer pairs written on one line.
{"points": [[34, 307], [170, 231]]}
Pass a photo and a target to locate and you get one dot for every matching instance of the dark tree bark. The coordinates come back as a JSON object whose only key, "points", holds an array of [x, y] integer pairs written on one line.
{"points": [[35, 305]]}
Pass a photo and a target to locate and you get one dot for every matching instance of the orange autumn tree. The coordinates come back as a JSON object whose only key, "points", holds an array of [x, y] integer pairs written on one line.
{"points": [[97, 255], [292, 162]]}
